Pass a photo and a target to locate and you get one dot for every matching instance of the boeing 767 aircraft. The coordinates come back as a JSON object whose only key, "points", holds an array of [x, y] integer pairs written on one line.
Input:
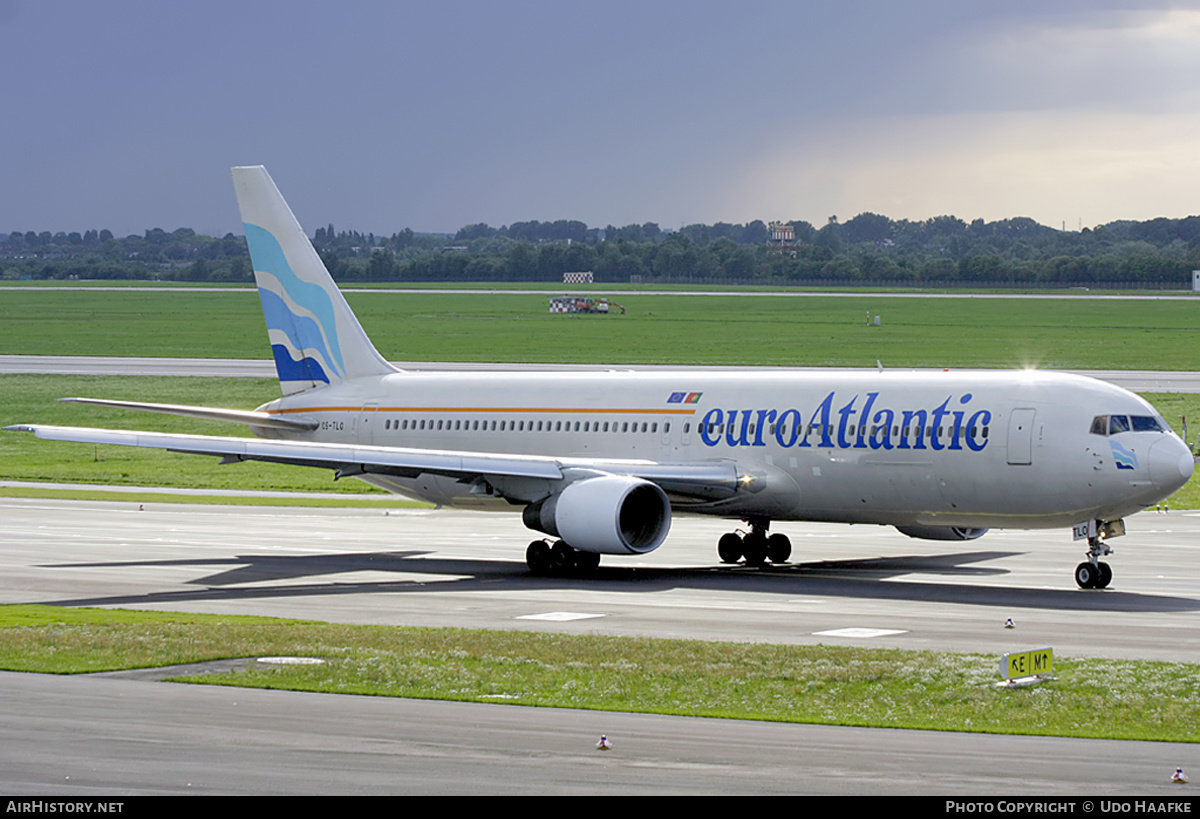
{"points": [[601, 460]]}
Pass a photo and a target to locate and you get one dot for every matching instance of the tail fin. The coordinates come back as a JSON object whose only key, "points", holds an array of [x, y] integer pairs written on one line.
{"points": [[314, 336]]}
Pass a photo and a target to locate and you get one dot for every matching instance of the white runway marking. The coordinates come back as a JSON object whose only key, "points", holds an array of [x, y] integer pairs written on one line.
{"points": [[559, 616], [859, 633]]}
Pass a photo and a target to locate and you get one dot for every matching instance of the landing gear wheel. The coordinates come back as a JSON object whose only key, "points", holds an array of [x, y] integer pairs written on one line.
{"points": [[1087, 576], [537, 557], [587, 562], [754, 547], [562, 557], [1105, 576], [779, 548], [729, 548]]}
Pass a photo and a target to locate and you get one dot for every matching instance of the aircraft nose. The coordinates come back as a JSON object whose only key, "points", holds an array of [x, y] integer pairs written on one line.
{"points": [[1171, 464]]}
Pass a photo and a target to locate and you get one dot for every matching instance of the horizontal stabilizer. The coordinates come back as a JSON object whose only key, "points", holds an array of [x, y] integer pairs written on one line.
{"points": [[251, 417]]}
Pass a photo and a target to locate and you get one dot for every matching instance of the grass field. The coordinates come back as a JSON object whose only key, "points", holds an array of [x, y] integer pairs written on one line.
{"points": [[32, 397], [1065, 333], [811, 684]]}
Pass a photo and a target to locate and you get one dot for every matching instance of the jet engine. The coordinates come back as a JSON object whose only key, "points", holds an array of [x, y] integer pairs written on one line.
{"points": [[941, 532], [607, 514]]}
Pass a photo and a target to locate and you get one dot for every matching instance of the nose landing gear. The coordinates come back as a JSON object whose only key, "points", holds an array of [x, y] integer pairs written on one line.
{"points": [[1093, 573]]}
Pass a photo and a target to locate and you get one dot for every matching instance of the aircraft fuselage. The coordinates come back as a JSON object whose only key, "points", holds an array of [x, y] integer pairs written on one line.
{"points": [[900, 447]]}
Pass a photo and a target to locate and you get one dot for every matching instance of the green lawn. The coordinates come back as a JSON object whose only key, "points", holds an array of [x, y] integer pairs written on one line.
{"points": [[810, 684], [1067, 333], [31, 398]]}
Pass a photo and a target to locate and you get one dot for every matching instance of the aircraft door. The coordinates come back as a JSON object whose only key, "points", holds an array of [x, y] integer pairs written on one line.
{"points": [[367, 419], [1020, 436]]}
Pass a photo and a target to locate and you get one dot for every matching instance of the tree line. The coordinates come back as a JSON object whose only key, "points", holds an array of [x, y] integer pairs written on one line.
{"points": [[867, 248]]}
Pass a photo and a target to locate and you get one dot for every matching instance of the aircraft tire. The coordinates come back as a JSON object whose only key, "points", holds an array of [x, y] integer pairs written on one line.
{"points": [[587, 562], [562, 557], [1087, 575], [779, 548], [754, 548], [537, 557], [729, 548], [1105, 576]]}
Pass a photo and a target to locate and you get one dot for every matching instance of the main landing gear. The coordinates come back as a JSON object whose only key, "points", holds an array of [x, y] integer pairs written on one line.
{"points": [[756, 546], [542, 557], [1092, 573]]}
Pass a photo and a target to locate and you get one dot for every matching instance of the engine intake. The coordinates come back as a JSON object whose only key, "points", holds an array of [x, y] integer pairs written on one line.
{"points": [[608, 514]]}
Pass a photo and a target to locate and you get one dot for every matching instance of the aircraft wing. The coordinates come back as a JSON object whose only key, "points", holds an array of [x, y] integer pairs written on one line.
{"points": [[704, 479]]}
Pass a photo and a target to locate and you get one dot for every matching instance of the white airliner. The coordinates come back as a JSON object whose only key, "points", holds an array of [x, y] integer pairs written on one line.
{"points": [[601, 460]]}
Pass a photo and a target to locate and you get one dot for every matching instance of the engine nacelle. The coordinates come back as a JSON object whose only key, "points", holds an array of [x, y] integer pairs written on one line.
{"points": [[941, 532], [609, 514]]}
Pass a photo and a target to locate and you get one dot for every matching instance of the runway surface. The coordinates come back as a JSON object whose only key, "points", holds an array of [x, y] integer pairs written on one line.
{"points": [[455, 568], [450, 568]]}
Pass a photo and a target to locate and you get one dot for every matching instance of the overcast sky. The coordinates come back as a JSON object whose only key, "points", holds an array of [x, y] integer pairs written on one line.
{"points": [[382, 115]]}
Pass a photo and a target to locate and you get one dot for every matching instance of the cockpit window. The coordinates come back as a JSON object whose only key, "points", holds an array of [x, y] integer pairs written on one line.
{"points": [[1146, 423], [1113, 424]]}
